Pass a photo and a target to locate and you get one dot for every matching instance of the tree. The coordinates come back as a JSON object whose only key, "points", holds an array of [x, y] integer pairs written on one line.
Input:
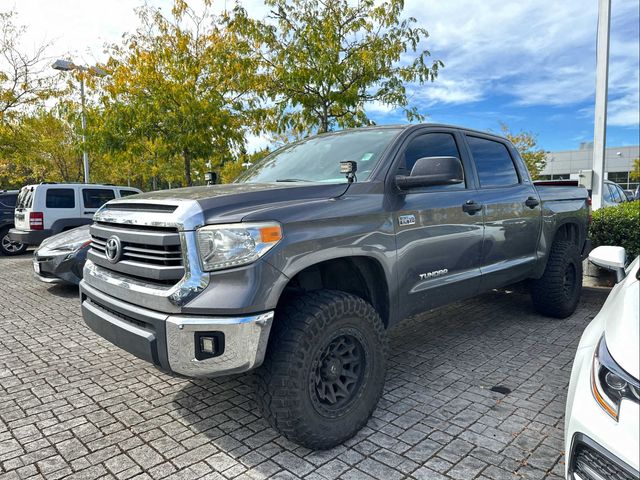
{"points": [[45, 147], [23, 78], [181, 84], [231, 170], [634, 174], [527, 144], [322, 61]]}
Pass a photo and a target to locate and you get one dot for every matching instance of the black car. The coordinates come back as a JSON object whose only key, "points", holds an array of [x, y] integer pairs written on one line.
{"points": [[60, 259], [7, 207]]}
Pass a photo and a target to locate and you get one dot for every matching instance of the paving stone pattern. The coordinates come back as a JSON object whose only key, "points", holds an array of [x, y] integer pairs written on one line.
{"points": [[74, 406]]}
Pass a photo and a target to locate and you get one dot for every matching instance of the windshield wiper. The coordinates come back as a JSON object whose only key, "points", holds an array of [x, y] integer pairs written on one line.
{"points": [[292, 180]]}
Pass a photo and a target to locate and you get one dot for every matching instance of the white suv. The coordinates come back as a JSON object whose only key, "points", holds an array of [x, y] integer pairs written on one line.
{"points": [[602, 422], [46, 209]]}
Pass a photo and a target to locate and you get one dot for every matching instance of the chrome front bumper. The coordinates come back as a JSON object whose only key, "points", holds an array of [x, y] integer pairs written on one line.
{"points": [[169, 341]]}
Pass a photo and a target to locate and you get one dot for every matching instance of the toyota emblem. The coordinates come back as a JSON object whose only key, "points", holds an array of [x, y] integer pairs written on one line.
{"points": [[113, 249]]}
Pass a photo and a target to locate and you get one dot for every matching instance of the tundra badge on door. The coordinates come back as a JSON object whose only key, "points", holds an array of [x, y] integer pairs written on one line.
{"points": [[436, 273]]}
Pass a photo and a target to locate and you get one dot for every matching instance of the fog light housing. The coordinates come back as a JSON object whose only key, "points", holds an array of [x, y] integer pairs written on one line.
{"points": [[208, 345]]}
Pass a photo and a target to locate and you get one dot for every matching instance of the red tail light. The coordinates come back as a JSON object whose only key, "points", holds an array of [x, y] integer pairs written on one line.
{"points": [[589, 215], [36, 220]]}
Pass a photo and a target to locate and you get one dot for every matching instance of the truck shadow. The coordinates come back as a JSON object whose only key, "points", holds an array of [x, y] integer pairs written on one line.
{"points": [[468, 350], [63, 290]]}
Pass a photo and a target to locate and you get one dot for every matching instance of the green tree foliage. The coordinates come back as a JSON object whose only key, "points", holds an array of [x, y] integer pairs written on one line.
{"points": [[617, 225], [634, 174], [45, 147], [231, 170], [179, 88], [527, 145], [322, 61], [24, 81]]}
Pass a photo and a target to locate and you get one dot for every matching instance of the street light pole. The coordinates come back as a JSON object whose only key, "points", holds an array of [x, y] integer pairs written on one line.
{"points": [[67, 66], [600, 120], [85, 154]]}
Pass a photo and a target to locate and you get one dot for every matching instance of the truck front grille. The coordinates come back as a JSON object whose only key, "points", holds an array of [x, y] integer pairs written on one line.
{"points": [[153, 254]]}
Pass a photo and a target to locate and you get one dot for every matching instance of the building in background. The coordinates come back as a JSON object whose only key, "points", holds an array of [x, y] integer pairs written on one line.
{"points": [[567, 164]]}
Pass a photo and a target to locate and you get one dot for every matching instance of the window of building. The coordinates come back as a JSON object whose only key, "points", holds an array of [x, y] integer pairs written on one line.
{"points": [[61, 198], [96, 197], [621, 178], [493, 162]]}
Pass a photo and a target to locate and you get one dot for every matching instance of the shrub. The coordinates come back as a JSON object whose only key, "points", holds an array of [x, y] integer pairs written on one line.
{"points": [[619, 225]]}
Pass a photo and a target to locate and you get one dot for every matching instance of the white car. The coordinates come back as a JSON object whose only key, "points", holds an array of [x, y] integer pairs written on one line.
{"points": [[602, 423], [46, 209]]}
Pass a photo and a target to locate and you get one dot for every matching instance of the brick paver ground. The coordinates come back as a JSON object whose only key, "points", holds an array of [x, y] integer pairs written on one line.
{"points": [[74, 406]]}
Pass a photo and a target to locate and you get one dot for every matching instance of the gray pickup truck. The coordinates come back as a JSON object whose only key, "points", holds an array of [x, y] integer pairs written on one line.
{"points": [[302, 265]]}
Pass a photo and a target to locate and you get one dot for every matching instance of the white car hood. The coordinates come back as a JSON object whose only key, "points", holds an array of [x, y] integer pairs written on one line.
{"points": [[621, 330]]}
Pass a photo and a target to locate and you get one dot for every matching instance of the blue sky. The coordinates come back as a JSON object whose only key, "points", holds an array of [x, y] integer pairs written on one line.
{"points": [[528, 63], [531, 65]]}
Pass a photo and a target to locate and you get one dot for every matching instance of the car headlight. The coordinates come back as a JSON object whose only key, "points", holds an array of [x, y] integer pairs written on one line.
{"points": [[610, 383], [236, 244]]}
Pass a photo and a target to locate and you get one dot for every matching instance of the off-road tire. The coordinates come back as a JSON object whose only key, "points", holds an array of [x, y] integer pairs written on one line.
{"points": [[557, 292], [305, 328], [9, 251]]}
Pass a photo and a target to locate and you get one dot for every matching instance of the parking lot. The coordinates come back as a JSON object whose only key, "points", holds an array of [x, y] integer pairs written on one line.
{"points": [[74, 406]]}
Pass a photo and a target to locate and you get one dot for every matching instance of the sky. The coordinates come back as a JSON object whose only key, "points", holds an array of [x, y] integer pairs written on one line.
{"points": [[529, 64]]}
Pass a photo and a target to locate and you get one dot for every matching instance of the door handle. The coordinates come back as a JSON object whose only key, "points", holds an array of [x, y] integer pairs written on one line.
{"points": [[471, 207], [90, 212], [532, 202]]}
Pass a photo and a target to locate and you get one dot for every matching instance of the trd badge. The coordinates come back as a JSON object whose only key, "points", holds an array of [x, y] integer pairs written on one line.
{"points": [[405, 220]]}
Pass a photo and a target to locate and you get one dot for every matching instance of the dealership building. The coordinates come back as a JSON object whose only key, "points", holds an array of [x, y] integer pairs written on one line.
{"points": [[567, 164]]}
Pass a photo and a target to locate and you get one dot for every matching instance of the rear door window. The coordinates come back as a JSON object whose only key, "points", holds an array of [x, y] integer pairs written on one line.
{"points": [[96, 197], [493, 162], [126, 193], [61, 198]]}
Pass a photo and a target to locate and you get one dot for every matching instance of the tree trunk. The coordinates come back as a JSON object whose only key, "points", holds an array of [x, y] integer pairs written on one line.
{"points": [[324, 121], [187, 166]]}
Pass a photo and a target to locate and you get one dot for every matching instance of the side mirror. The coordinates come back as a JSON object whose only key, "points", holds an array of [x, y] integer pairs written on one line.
{"points": [[211, 178], [611, 258], [430, 171]]}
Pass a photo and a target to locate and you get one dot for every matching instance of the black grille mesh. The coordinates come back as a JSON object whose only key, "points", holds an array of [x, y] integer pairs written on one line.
{"points": [[592, 465]]}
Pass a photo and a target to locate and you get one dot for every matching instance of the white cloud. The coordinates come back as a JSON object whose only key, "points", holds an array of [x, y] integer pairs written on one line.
{"points": [[535, 52]]}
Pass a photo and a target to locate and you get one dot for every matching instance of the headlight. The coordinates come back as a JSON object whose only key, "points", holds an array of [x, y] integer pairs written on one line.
{"points": [[232, 245], [610, 383]]}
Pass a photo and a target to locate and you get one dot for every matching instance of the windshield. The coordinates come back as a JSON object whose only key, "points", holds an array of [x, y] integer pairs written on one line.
{"points": [[317, 159]]}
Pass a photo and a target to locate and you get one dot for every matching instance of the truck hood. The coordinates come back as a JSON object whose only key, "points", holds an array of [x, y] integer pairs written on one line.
{"points": [[621, 331], [232, 202]]}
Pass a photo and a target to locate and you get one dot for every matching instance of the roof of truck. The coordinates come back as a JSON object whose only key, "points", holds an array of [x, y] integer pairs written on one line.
{"points": [[406, 126]]}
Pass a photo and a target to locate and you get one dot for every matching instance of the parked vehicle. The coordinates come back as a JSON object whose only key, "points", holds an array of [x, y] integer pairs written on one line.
{"points": [[630, 194], [60, 259], [47, 209], [302, 264], [7, 207], [612, 194], [602, 422]]}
